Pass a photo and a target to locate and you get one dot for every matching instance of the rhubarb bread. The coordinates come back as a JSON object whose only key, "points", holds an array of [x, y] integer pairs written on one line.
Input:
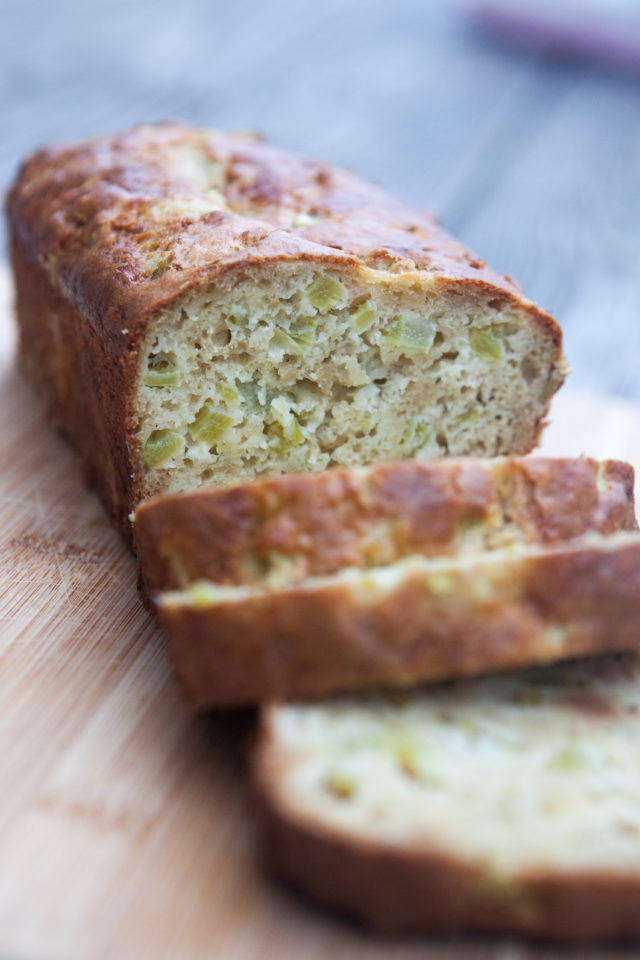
{"points": [[288, 528], [503, 804], [412, 620], [199, 308]]}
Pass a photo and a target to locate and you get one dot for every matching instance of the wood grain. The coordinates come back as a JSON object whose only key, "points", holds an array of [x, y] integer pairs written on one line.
{"points": [[125, 827]]}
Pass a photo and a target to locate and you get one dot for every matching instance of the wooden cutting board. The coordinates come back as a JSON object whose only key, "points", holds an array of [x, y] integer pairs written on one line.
{"points": [[125, 822]]}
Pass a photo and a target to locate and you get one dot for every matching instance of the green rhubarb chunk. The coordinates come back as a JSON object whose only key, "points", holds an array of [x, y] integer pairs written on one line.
{"points": [[570, 758], [304, 400], [210, 424], [469, 417], [284, 438], [282, 339], [227, 395], [340, 786], [303, 331], [161, 373], [297, 339], [160, 447], [488, 341], [363, 316], [325, 292], [418, 435], [411, 334], [238, 315], [365, 421], [203, 594], [250, 399]]}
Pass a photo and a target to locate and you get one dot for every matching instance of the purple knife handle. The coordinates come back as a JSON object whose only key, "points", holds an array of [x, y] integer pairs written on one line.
{"points": [[607, 39]]}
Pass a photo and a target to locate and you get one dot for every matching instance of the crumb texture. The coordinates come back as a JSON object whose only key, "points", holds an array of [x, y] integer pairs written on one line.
{"points": [[542, 760], [301, 369]]}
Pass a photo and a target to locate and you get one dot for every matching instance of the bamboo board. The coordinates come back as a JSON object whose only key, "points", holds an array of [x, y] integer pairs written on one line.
{"points": [[125, 822]]}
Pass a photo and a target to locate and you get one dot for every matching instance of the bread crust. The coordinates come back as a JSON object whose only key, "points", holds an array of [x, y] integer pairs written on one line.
{"points": [[495, 612], [83, 225], [419, 889], [322, 522], [88, 389]]}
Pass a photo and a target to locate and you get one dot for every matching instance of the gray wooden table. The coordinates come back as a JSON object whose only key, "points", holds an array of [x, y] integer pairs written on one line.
{"points": [[534, 163]]}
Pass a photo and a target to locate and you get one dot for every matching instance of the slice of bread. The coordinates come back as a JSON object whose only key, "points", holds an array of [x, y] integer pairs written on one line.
{"points": [[419, 618], [510, 803], [199, 308], [288, 528]]}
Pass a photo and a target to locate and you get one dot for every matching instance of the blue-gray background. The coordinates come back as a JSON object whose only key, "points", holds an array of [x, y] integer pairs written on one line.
{"points": [[533, 162]]}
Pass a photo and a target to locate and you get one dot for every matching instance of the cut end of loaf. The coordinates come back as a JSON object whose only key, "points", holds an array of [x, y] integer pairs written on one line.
{"points": [[407, 809], [299, 367], [546, 743]]}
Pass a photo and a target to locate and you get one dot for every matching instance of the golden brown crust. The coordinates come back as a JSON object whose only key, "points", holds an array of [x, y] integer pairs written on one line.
{"points": [[87, 212], [398, 889], [97, 234], [88, 394], [494, 612], [369, 516]]}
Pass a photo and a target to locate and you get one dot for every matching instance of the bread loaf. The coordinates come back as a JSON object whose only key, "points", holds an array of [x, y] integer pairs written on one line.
{"points": [[503, 804], [199, 308]]}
